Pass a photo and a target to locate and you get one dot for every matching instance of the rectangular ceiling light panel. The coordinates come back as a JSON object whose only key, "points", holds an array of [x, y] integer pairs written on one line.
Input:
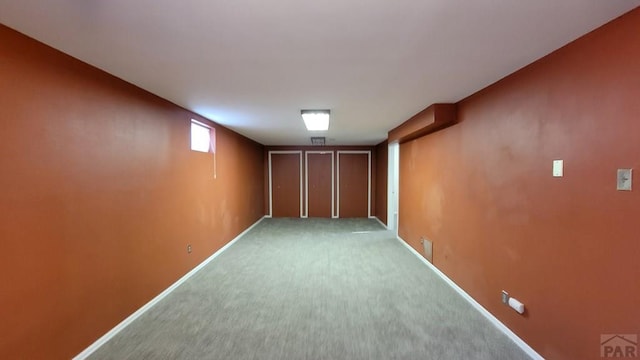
{"points": [[316, 120]]}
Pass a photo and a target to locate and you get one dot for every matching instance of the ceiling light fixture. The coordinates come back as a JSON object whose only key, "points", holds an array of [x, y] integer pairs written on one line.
{"points": [[316, 120]]}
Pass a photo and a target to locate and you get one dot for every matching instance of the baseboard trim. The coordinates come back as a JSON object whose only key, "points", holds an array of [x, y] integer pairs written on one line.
{"points": [[113, 332], [497, 323], [380, 221]]}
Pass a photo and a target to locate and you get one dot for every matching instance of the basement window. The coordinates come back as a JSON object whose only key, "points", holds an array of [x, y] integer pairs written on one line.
{"points": [[200, 137]]}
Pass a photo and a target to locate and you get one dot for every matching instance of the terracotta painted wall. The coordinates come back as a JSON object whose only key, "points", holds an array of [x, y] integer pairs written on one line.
{"points": [[100, 195], [482, 191], [335, 149], [382, 165]]}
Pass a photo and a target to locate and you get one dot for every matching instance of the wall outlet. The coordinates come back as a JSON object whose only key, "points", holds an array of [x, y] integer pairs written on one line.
{"points": [[189, 248], [428, 249], [505, 297]]}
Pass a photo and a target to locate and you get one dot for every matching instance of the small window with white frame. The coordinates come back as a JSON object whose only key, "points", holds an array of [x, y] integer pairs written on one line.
{"points": [[200, 137]]}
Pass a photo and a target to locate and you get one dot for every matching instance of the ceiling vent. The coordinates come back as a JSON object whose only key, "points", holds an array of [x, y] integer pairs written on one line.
{"points": [[318, 140]]}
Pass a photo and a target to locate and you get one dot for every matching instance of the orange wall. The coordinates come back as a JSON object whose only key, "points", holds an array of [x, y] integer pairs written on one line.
{"points": [[482, 191], [100, 196], [382, 159]]}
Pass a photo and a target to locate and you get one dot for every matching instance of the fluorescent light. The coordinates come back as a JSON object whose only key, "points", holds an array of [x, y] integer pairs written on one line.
{"points": [[316, 120]]}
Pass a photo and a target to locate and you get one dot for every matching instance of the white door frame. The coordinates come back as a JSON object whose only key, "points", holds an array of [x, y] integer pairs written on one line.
{"points": [[299, 152], [306, 176], [393, 186], [368, 152]]}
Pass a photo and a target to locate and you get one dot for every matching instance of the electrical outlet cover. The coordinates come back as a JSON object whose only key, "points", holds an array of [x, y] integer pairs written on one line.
{"points": [[505, 297], [428, 249], [624, 179], [558, 168]]}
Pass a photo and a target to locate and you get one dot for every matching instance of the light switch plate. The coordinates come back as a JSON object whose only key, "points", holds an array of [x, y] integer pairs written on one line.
{"points": [[558, 168], [624, 179]]}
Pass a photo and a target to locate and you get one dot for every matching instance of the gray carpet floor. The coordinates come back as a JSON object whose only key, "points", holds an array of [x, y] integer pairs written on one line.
{"points": [[313, 289]]}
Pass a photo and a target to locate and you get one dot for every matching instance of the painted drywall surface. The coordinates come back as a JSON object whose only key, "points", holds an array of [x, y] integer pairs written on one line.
{"points": [[483, 192], [382, 164], [100, 196]]}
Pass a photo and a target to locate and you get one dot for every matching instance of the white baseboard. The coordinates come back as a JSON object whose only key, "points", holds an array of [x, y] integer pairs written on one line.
{"points": [[497, 323], [380, 221], [106, 337]]}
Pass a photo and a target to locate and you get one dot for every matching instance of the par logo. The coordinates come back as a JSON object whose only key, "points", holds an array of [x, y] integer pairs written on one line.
{"points": [[618, 345]]}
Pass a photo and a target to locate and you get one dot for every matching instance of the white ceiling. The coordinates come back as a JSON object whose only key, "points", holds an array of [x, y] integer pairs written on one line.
{"points": [[252, 65]]}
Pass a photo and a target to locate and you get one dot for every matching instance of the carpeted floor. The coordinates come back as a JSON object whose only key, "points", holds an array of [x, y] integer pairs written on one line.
{"points": [[313, 289]]}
